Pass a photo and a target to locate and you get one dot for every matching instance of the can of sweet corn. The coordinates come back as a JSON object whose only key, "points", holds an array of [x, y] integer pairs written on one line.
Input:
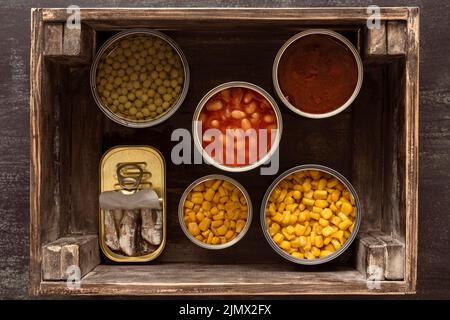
{"points": [[310, 214], [223, 208]]}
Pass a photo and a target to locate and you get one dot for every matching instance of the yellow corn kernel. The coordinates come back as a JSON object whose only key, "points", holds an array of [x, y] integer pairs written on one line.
{"points": [[216, 184], [298, 255], [290, 229], [338, 204], [308, 202], [324, 253], [274, 228], [344, 225], [332, 183], [289, 200], [206, 205], [193, 228], [299, 230], [336, 244], [197, 200], [216, 223], [309, 194], [206, 233], [315, 251], [188, 204], [306, 186], [228, 185], [297, 194], [327, 240], [314, 215], [329, 247], [342, 216], [322, 184], [321, 203], [216, 198], [346, 208], [222, 230], [205, 224], [287, 235], [200, 187], [215, 240], [296, 243], [196, 207], [302, 241], [351, 227], [243, 214], [327, 231], [286, 217], [346, 234], [335, 195], [232, 225], [333, 208], [318, 241], [309, 255], [277, 238], [282, 195], [291, 207], [294, 218], [229, 234], [335, 220], [320, 194], [285, 245], [210, 237], [222, 191], [192, 216], [326, 213], [303, 216], [323, 222], [302, 207], [307, 231], [240, 225], [214, 210], [316, 209], [307, 246], [278, 218], [199, 237], [200, 216], [219, 216]]}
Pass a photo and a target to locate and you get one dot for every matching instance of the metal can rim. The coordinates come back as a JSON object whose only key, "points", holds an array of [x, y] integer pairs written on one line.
{"points": [[349, 101], [232, 84], [346, 244], [181, 213], [139, 124]]}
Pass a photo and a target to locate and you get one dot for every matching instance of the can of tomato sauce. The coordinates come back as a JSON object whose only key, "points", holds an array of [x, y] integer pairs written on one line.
{"points": [[317, 73], [237, 126]]}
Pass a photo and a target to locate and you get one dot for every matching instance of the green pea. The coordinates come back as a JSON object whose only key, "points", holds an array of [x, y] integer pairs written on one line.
{"points": [[127, 105], [139, 93], [166, 83], [131, 96], [166, 105], [159, 110], [152, 107], [144, 98], [158, 102], [147, 83], [146, 112], [118, 81], [161, 90], [163, 74], [159, 67], [133, 111], [139, 115], [154, 75], [123, 99], [167, 67], [138, 103], [167, 97], [151, 93]]}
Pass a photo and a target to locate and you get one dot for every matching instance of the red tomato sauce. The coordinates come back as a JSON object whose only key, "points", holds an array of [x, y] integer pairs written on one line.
{"points": [[238, 108], [317, 73]]}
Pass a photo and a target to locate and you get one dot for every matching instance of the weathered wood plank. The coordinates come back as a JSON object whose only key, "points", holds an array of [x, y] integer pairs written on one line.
{"points": [[394, 257], [370, 257], [219, 279], [78, 44], [58, 256], [53, 35], [375, 41], [367, 151], [396, 37], [186, 16]]}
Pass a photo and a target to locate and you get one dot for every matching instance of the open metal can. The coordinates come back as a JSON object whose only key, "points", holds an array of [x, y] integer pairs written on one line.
{"points": [[111, 45], [343, 247], [181, 212], [198, 134], [341, 39]]}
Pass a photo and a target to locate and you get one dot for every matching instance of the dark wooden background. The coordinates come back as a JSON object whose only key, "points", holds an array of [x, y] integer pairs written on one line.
{"points": [[434, 192]]}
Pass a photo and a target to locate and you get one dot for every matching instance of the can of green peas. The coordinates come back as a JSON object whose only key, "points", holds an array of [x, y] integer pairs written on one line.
{"points": [[139, 78]]}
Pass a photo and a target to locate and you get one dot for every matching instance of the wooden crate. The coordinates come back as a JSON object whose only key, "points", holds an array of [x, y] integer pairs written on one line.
{"points": [[374, 143]]}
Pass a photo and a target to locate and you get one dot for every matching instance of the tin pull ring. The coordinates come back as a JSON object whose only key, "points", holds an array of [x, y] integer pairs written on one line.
{"points": [[129, 182]]}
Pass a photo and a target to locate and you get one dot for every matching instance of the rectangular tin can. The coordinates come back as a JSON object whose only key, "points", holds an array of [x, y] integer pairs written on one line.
{"points": [[151, 161]]}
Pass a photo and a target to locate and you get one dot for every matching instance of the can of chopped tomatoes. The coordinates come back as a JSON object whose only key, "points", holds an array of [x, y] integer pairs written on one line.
{"points": [[237, 126]]}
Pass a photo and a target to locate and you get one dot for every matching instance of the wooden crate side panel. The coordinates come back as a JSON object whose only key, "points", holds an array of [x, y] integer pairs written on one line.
{"points": [[412, 147]]}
